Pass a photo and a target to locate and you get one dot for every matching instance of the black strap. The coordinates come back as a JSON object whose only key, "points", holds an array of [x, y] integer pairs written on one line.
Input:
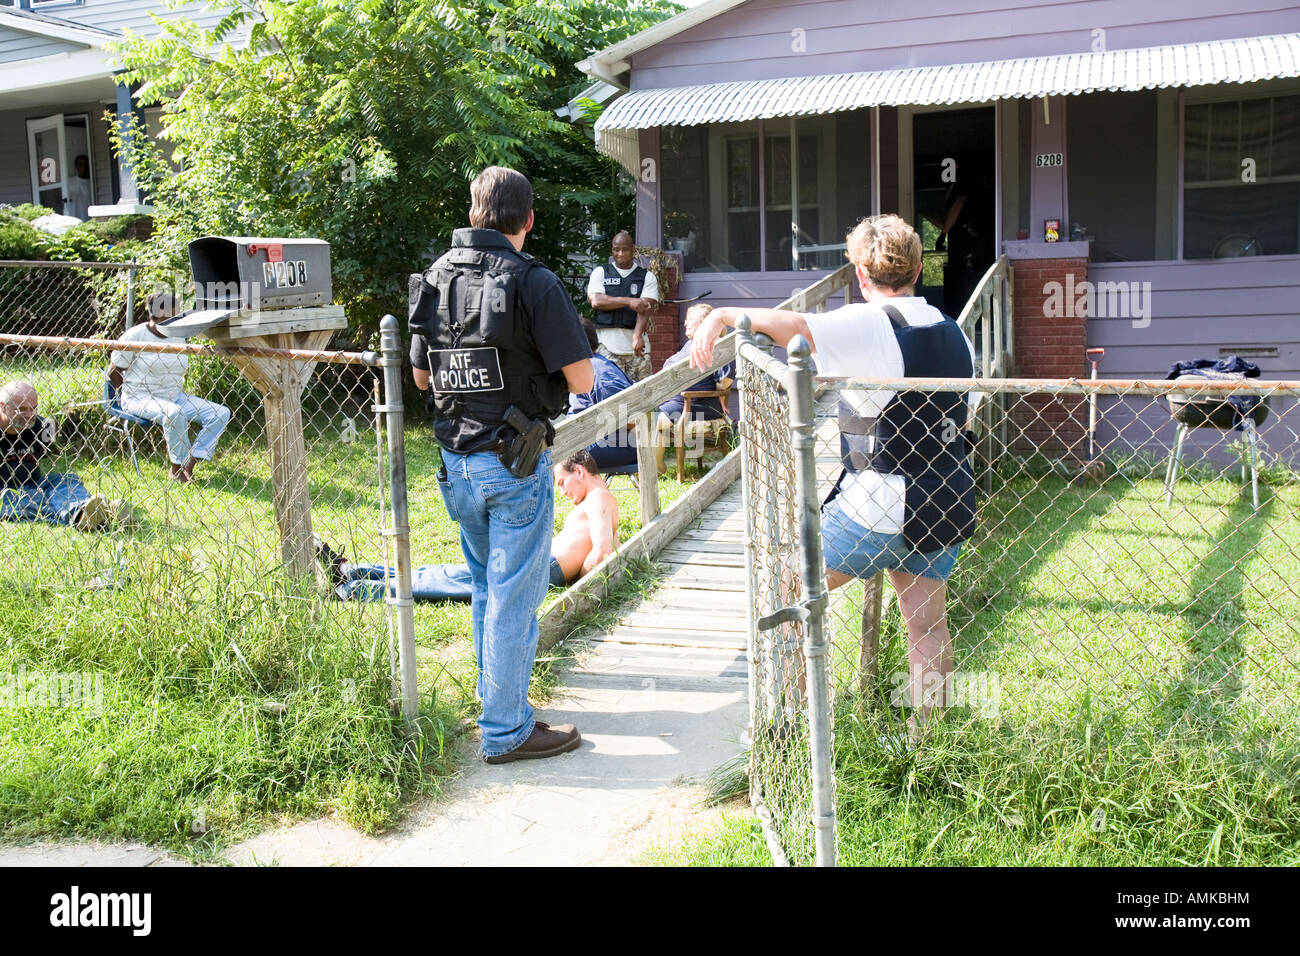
{"points": [[895, 316]]}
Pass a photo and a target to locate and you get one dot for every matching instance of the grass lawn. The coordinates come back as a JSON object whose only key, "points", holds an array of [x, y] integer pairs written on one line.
{"points": [[228, 698], [1144, 664]]}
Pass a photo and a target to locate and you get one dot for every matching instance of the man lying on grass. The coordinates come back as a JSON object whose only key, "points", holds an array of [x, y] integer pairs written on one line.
{"points": [[589, 535]]}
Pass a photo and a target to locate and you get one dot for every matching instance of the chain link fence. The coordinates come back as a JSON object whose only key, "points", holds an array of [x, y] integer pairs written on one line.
{"points": [[228, 521], [1129, 590], [285, 447]]}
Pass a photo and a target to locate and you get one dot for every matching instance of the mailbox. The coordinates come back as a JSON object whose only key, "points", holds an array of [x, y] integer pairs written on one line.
{"points": [[244, 274]]}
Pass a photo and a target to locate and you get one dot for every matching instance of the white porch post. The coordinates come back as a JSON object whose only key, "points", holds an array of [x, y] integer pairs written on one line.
{"points": [[130, 200]]}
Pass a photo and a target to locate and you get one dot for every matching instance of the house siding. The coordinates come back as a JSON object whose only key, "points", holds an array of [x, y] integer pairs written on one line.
{"points": [[15, 163], [757, 40], [1200, 309], [121, 15], [16, 45]]}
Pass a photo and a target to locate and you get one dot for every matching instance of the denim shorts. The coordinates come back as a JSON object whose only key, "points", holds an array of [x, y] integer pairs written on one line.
{"points": [[853, 550]]}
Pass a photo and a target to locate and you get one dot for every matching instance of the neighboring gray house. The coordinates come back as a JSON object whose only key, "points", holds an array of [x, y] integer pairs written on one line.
{"points": [[56, 82]]}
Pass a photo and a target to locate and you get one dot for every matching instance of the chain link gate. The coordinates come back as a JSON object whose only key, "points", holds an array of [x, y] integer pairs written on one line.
{"points": [[790, 768]]}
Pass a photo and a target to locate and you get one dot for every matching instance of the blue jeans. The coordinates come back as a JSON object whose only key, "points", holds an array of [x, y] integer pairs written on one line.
{"points": [[56, 499], [429, 582], [505, 534], [861, 553], [175, 418]]}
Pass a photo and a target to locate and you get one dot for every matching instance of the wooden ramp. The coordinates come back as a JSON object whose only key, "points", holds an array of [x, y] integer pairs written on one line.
{"points": [[692, 626]]}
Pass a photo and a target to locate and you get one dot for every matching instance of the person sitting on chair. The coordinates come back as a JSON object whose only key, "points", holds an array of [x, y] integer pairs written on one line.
{"points": [[153, 387], [615, 450], [589, 535], [28, 495], [702, 409]]}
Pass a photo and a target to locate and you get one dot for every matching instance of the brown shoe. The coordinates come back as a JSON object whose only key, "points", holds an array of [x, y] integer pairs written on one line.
{"points": [[544, 741], [94, 514]]}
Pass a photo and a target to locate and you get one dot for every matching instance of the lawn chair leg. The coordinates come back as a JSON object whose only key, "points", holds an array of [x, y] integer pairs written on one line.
{"points": [[130, 444], [1175, 456]]}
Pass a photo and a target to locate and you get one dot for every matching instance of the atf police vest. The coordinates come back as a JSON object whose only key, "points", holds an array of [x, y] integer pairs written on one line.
{"points": [[921, 436], [628, 286], [481, 362]]}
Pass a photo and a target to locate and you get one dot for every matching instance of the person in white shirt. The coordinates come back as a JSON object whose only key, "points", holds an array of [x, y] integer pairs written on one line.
{"points": [[153, 386], [906, 500], [79, 197], [623, 295]]}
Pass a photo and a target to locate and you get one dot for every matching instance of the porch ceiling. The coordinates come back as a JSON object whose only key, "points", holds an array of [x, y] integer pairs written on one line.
{"points": [[1242, 60]]}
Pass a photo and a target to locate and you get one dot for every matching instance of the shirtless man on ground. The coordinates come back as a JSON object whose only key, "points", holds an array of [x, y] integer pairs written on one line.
{"points": [[589, 535], [590, 532]]}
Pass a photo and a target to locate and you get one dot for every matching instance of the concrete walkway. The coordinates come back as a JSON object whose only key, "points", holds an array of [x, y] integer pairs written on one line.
{"points": [[660, 701]]}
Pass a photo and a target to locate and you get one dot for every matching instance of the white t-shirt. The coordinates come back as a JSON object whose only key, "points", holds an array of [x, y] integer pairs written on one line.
{"points": [[857, 341], [159, 375], [620, 340], [78, 203]]}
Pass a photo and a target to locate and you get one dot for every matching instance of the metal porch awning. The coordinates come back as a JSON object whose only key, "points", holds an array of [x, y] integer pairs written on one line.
{"points": [[1242, 60]]}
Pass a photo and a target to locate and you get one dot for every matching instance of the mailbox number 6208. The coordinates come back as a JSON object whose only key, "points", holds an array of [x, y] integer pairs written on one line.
{"points": [[282, 274]]}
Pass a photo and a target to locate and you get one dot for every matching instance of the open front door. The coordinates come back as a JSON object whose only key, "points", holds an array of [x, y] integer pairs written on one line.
{"points": [[48, 149]]}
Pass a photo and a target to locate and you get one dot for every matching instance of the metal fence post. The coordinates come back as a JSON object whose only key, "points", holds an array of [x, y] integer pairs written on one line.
{"points": [[391, 359], [743, 337], [804, 441], [130, 295]]}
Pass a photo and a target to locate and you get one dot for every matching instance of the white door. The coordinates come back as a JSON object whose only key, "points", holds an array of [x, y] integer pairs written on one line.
{"points": [[48, 148]]}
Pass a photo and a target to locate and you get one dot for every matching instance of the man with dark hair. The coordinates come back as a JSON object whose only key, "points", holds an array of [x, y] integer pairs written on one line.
{"points": [[496, 340], [589, 535], [623, 295], [153, 387]]}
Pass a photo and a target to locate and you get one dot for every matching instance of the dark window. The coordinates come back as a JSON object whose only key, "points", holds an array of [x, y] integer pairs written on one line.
{"points": [[1241, 178], [728, 208]]}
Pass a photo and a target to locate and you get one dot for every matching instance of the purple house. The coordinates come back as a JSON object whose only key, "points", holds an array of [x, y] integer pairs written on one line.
{"points": [[1157, 142]]}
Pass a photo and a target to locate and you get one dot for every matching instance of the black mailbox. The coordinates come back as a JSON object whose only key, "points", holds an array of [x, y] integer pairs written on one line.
{"points": [[248, 274]]}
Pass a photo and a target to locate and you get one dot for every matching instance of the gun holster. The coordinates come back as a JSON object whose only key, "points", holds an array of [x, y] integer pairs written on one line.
{"points": [[532, 437]]}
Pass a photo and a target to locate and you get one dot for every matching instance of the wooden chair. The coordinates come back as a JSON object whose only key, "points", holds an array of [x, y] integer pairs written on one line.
{"points": [[719, 430]]}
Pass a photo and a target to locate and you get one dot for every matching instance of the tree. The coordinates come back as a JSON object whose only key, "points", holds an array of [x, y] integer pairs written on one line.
{"points": [[362, 122]]}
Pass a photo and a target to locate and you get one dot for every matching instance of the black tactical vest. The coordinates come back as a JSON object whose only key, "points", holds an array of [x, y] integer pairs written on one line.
{"points": [[628, 286], [921, 436], [481, 360]]}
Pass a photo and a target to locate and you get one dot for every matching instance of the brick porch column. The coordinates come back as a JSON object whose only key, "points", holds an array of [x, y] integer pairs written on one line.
{"points": [[668, 335], [1050, 342]]}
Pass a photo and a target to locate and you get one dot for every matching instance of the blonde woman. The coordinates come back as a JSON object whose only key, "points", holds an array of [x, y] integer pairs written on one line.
{"points": [[906, 499]]}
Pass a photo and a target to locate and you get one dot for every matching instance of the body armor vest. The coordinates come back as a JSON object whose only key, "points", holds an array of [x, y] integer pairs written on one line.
{"points": [[481, 361], [628, 286], [921, 436]]}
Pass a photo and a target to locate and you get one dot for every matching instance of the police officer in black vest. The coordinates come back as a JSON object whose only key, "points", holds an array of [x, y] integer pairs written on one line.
{"points": [[623, 294], [907, 499], [497, 341]]}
